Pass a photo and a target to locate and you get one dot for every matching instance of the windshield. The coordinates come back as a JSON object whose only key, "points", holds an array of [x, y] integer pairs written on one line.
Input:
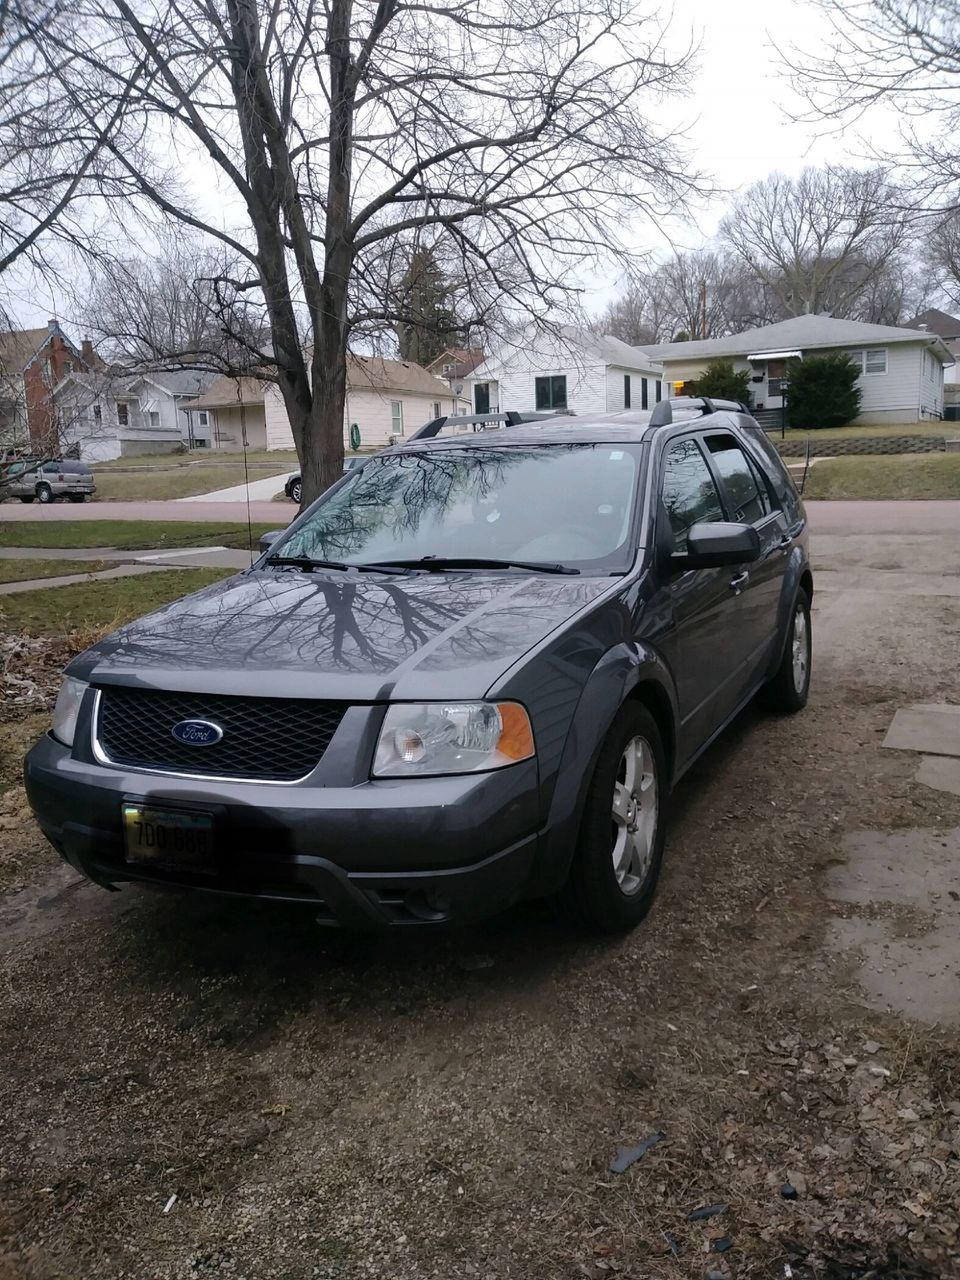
{"points": [[568, 504]]}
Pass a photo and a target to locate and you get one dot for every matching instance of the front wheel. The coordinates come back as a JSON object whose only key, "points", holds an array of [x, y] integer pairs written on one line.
{"points": [[790, 687], [616, 864], [44, 493]]}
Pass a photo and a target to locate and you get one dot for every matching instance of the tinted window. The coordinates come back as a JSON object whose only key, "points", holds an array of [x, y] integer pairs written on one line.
{"points": [[571, 504], [689, 493], [746, 494]]}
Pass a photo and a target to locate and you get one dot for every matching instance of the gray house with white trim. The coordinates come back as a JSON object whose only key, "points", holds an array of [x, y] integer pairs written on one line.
{"points": [[901, 370]]}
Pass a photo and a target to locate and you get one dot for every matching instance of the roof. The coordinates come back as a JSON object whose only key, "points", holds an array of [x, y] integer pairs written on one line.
{"points": [[464, 361], [803, 332], [17, 346], [603, 348], [375, 373], [935, 321], [226, 393], [179, 382]]}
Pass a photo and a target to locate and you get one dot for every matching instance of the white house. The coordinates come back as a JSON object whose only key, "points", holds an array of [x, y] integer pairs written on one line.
{"points": [[230, 414], [106, 413], [384, 398], [901, 370], [570, 369]]}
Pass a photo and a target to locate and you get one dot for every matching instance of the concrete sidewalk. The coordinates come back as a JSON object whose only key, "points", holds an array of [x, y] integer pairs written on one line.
{"points": [[129, 563], [256, 490]]}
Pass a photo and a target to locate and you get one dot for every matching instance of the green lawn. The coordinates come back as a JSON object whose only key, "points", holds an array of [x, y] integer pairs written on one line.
{"points": [[948, 430], [277, 459], [179, 482], [905, 475], [94, 608], [132, 535], [26, 570]]}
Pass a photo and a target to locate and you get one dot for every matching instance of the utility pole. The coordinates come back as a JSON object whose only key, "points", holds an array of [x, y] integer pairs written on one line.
{"points": [[703, 309]]}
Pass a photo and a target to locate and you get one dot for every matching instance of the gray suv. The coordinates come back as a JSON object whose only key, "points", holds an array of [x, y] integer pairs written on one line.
{"points": [[471, 672], [48, 480]]}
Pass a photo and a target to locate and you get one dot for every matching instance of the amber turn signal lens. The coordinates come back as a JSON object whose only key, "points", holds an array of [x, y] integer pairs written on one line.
{"points": [[516, 737]]}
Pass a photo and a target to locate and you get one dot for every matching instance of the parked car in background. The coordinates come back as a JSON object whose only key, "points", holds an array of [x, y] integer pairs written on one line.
{"points": [[470, 673], [294, 486], [47, 480]]}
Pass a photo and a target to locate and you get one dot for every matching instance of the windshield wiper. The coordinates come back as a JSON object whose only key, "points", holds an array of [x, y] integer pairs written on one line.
{"points": [[438, 564], [308, 564]]}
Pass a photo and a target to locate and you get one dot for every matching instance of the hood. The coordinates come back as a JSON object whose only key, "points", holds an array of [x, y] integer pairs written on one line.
{"points": [[332, 635]]}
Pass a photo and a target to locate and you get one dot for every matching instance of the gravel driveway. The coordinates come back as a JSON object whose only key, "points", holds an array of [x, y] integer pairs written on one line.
{"points": [[194, 1089]]}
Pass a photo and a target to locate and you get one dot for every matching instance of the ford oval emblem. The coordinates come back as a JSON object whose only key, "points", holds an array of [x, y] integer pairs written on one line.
{"points": [[197, 733]]}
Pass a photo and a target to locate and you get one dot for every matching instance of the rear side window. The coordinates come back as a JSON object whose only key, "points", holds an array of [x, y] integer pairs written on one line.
{"points": [[773, 465], [747, 498], [689, 494]]}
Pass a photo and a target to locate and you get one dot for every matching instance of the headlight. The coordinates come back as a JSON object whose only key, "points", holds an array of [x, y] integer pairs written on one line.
{"points": [[451, 737], [67, 709]]}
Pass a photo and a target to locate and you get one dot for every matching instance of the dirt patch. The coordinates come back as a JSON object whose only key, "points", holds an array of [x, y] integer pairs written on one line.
{"points": [[340, 1108]]}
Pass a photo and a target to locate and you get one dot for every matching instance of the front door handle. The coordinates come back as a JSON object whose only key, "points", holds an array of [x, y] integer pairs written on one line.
{"points": [[785, 541], [739, 582]]}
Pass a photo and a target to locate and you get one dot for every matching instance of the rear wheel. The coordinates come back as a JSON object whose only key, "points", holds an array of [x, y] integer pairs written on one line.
{"points": [[790, 687], [44, 493], [296, 491], [620, 846]]}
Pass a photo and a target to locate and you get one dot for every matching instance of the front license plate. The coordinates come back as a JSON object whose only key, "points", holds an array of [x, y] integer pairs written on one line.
{"points": [[168, 838]]}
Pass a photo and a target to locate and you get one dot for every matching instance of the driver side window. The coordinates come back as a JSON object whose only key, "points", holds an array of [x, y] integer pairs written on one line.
{"points": [[688, 493]]}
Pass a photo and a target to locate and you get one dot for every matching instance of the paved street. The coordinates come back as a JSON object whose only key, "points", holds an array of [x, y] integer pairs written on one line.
{"points": [[826, 517]]}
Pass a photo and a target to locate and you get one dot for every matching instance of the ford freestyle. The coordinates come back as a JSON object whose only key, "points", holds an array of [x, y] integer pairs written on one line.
{"points": [[471, 672]]}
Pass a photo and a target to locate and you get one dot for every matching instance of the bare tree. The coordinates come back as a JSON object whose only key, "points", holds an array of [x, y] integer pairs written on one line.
{"points": [[177, 306], [822, 241], [520, 135]]}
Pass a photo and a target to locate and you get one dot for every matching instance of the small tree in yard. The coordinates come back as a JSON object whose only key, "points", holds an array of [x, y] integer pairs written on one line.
{"points": [[723, 382], [823, 392]]}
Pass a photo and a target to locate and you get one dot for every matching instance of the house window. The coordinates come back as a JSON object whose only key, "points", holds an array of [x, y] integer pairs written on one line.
{"points": [[436, 408], [396, 414], [626, 391], [551, 392], [448, 370], [644, 393], [68, 366], [98, 415], [123, 415], [203, 418], [154, 417], [775, 386], [857, 358], [481, 397], [876, 361], [658, 391]]}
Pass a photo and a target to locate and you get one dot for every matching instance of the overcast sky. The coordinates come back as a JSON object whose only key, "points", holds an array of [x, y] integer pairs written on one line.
{"points": [[740, 111]]}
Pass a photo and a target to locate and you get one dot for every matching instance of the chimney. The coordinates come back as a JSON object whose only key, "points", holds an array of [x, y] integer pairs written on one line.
{"points": [[52, 325], [924, 327], [86, 350]]}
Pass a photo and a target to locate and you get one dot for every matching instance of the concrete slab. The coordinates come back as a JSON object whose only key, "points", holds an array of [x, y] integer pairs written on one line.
{"points": [[68, 579], [905, 948], [933, 729], [940, 772]]}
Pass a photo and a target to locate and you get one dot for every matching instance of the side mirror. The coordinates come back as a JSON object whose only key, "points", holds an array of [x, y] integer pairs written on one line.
{"points": [[717, 544], [268, 539]]}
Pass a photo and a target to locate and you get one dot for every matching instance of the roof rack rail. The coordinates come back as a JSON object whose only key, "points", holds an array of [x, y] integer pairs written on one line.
{"points": [[479, 422], [662, 414]]}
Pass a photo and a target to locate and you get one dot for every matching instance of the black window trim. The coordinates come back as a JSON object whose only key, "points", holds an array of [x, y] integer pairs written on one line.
{"points": [[776, 507]]}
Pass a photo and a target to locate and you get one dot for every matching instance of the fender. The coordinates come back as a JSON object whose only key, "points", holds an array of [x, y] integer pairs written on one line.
{"points": [[615, 677], [794, 569]]}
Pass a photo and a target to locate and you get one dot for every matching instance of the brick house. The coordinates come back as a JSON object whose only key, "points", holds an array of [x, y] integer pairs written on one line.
{"points": [[32, 363]]}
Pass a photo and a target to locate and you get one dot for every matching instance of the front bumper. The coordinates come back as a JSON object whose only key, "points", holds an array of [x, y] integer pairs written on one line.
{"points": [[398, 852]]}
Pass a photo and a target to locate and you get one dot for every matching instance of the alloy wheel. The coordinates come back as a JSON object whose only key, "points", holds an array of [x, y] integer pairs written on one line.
{"points": [[634, 815], [801, 649]]}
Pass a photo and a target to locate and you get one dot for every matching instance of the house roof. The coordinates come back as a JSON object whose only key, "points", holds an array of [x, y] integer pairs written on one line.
{"points": [[935, 321], [602, 348], [17, 346], [226, 393], [373, 372], [464, 361], [802, 332]]}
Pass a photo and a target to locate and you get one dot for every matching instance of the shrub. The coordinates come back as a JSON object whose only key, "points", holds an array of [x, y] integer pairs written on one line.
{"points": [[823, 391], [722, 381]]}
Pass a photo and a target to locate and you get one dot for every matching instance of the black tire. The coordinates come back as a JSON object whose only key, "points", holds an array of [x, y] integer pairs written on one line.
{"points": [[789, 689], [296, 491], [594, 893], [77, 497], [44, 493], [27, 497]]}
